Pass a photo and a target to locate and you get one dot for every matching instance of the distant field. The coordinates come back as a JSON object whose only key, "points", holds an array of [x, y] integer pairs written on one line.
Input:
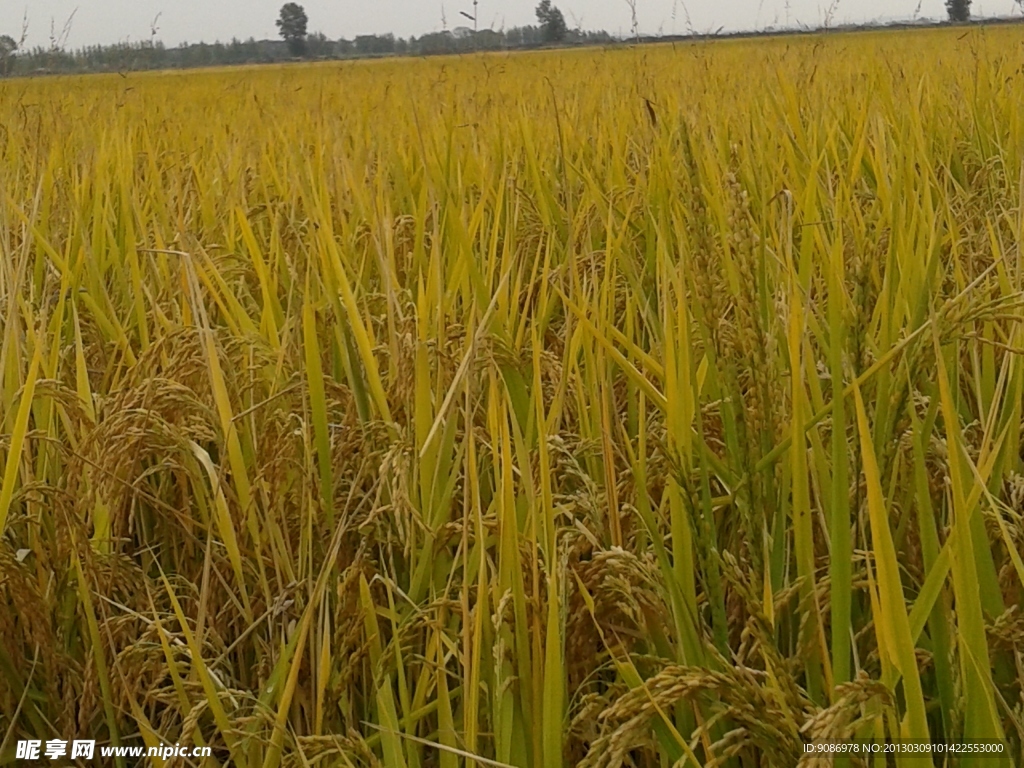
{"points": [[657, 406]]}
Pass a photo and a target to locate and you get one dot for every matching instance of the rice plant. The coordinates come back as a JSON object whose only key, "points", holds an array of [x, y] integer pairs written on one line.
{"points": [[651, 406]]}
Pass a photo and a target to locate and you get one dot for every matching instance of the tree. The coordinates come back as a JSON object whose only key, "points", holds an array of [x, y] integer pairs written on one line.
{"points": [[552, 22], [7, 48], [319, 46], [292, 25], [958, 10], [375, 45]]}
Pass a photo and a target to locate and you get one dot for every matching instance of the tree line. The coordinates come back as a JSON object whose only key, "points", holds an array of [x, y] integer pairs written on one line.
{"points": [[295, 43]]}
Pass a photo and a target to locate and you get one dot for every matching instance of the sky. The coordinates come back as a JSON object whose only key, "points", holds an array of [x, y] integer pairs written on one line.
{"points": [[110, 21]]}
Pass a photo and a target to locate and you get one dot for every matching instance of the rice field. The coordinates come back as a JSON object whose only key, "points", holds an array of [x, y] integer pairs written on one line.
{"points": [[652, 406]]}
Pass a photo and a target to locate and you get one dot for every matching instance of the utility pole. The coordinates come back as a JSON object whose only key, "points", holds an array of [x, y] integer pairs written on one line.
{"points": [[474, 18]]}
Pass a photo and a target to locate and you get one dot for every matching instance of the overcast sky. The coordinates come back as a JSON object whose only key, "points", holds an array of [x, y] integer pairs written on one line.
{"points": [[108, 21]]}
